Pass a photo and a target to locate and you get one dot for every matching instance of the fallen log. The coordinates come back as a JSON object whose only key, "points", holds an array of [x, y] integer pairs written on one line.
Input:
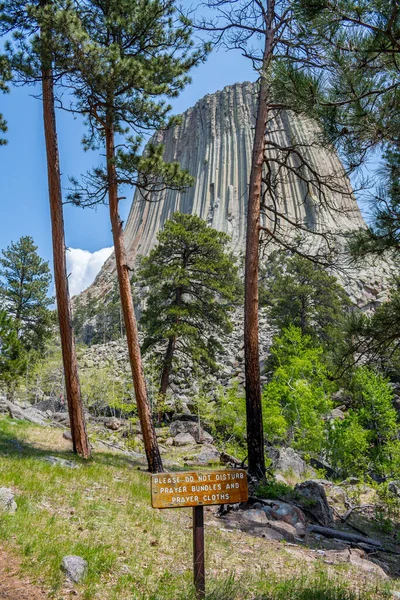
{"points": [[343, 535]]}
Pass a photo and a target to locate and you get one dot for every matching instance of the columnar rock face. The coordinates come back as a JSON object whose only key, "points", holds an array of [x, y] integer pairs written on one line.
{"points": [[214, 143]]}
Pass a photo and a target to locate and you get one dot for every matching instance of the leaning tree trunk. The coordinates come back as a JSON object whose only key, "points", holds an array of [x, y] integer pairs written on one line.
{"points": [[75, 408], [149, 435], [255, 434]]}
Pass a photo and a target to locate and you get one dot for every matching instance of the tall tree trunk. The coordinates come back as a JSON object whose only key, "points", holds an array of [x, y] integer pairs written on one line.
{"points": [[149, 435], [255, 434], [167, 365], [169, 355], [75, 408]]}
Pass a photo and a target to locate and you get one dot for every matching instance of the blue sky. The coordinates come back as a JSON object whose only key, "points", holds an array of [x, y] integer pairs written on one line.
{"points": [[23, 178]]}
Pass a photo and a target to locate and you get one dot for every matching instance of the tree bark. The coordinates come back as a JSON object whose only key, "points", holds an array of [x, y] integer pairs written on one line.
{"points": [[169, 355], [171, 344], [167, 366], [255, 434], [75, 408], [149, 436]]}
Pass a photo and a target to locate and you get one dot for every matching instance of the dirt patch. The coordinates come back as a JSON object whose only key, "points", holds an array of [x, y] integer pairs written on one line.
{"points": [[13, 586]]}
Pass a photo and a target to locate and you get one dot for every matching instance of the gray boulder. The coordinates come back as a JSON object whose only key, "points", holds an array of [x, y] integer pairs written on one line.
{"points": [[206, 438], [53, 404], [7, 502], [75, 567], [289, 532], [137, 457], [192, 428], [208, 455], [287, 460], [113, 424], [29, 414], [276, 510], [358, 558], [184, 439], [337, 413], [315, 502], [61, 417], [255, 517]]}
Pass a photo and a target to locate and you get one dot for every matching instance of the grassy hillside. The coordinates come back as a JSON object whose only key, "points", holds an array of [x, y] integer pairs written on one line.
{"points": [[101, 511]]}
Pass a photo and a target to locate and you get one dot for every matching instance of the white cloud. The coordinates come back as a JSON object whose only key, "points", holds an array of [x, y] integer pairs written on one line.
{"points": [[83, 266]]}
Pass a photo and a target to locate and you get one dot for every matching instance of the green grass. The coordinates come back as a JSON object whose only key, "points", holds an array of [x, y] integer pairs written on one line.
{"points": [[101, 511], [275, 489], [318, 587]]}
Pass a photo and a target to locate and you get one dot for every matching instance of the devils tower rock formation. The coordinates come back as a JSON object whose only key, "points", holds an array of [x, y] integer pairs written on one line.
{"points": [[214, 143]]}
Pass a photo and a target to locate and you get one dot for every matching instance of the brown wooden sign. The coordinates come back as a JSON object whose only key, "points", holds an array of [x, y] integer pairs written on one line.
{"points": [[198, 488]]}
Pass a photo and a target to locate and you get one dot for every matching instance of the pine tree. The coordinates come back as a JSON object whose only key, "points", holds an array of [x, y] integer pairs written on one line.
{"points": [[375, 338], [303, 294], [4, 77], [98, 320], [358, 45], [358, 104], [192, 284], [128, 56], [24, 285], [383, 234], [358, 99], [34, 53], [12, 353]]}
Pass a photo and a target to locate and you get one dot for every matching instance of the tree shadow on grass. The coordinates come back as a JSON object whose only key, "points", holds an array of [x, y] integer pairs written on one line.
{"points": [[13, 445]]}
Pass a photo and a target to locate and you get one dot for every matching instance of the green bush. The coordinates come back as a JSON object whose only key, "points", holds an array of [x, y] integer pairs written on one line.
{"points": [[348, 446], [387, 510], [297, 398], [367, 439], [275, 489], [297, 402], [225, 417], [101, 391]]}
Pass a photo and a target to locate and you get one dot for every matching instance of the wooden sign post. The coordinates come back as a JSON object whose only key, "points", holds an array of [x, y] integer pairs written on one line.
{"points": [[199, 572], [198, 489]]}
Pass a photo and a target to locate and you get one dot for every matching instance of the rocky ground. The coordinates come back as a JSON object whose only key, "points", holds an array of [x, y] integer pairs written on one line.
{"points": [[184, 383]]}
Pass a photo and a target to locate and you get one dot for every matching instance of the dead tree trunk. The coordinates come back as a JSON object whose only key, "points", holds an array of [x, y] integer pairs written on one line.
{"points": [[255, 435], [75, 408], [149, 436]]}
